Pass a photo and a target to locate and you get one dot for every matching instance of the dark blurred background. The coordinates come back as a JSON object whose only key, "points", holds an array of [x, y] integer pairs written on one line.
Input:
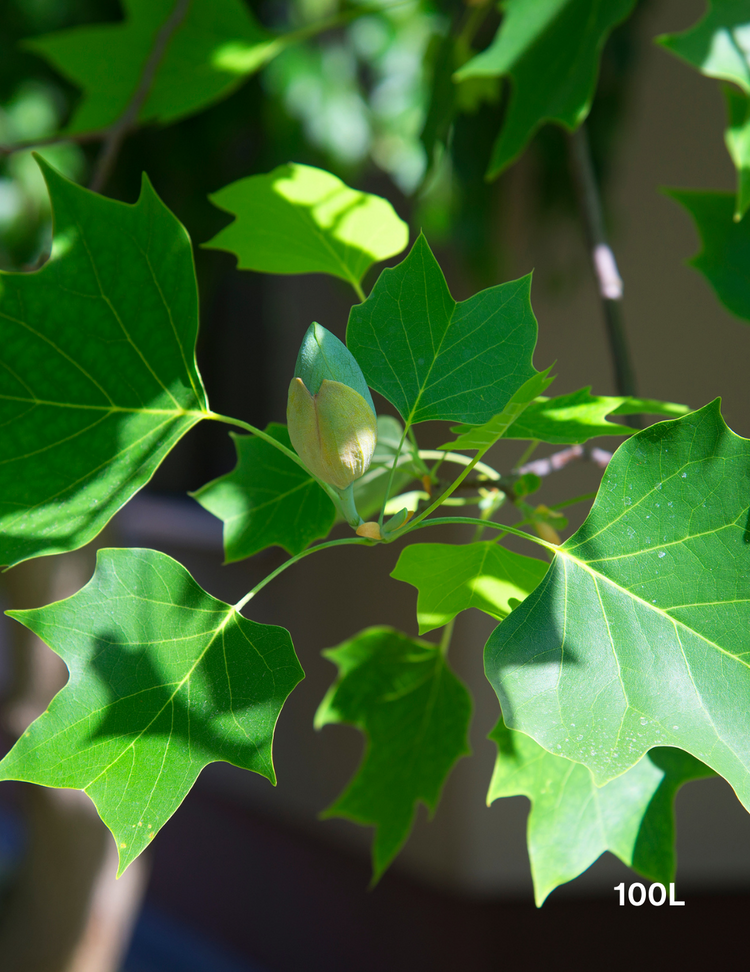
{"points": [[244, 876]]}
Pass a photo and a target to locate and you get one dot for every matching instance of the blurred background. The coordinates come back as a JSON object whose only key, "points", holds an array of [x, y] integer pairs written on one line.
{"points": [[244, 876]]}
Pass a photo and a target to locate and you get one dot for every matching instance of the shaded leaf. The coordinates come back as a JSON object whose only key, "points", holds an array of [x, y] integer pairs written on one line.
{"points": [[572, 821], [215, 47], [267, 499], [434, 358], [369, 490], [97, 369], [164, 679], [298, 219], [452, 578], [415, 713], [483, 436], [637, 636], [725, 257], [737, 138], [550, 50]]}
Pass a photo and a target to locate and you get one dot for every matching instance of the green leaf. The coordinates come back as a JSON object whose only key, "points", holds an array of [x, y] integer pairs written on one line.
{"points": [[550, 50], [267, 499], [564, 420], [737, 138], [369, 490], [98, 377], [725, 257], [637, 636], [415, 713], [579, 416], [452, 578], [717, 44], [214, 48], [298, 219], [572, 821], [484, 436], [164, 679], [436, 359]]}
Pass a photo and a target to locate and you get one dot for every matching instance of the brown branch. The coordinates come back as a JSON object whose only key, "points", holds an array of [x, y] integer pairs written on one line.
{"points": [[558, 460], [604, 264], [122, 126]]}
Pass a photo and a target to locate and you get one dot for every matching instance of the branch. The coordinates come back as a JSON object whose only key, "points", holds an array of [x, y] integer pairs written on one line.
{"points": [[117, 132], [558, 460], [603, 263]]}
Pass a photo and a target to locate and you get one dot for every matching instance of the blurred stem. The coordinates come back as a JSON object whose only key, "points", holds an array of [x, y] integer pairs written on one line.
{"points": [[129, 118], [603, 263], [445, 640]]}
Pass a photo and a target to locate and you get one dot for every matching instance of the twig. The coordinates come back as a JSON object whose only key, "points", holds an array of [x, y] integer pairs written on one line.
{"points": [[120, 128], [558, 460], [30, 143], [604, 264]]}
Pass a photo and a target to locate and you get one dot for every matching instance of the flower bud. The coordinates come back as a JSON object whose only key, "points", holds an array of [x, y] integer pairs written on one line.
{"points": [[334, 431]]}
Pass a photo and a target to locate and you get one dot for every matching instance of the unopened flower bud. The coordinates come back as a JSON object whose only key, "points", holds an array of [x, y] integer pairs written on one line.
{"points": [[334, 431]]}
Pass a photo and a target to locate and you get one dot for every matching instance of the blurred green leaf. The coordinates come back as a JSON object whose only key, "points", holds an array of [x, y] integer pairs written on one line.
{"points": [[550, 50], [717, 44], [215, 47], [725, 257]]}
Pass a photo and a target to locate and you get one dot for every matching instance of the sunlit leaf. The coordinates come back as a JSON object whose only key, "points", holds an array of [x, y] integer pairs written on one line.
{"points": [[550, 50], [717, 45], [573, 821], [298, 219], [452, 577], [267, 499], [415, 713], [434, 358], [164, 679], [216, 45], [637, 636], [97, 368]]}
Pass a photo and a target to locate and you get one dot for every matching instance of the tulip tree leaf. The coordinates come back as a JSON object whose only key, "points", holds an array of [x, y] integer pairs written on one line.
{"points": [[267, 499], [434, 358], [725, 258], [369, 490], [572, 821], [717, 44], [550, 50], [567, 419], [298, 219], [579, 416], [737, 138], [451, 578], [98, 377], [637, 636], [215, 46], [164, 679], [483, 436], [415, 713]]}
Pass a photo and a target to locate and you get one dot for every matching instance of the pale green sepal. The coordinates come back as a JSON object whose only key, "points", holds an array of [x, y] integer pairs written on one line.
{"points": [[322, 355], [333, 432]]}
